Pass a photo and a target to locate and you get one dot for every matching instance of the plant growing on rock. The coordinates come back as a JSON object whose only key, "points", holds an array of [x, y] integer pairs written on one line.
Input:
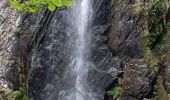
{"points": [[115, 90], [159, 90], [34, 5], [17, 95], [156, 25], [154, 33]]}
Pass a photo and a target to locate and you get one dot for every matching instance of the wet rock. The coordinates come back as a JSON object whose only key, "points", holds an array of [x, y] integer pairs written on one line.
{"points": [[49, 52], [137, 80], [124, 35], [126, 97], [167, 78], [9, 20], [113, 33]]}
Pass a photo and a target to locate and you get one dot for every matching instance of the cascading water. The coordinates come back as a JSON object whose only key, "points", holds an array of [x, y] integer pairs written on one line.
{"points": [[80, 67], [77, 70], [70, 57]]}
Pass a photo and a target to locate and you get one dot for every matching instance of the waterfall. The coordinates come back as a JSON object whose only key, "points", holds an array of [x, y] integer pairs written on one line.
{"points": [[69, 56], [79, 44], [81, 68]]}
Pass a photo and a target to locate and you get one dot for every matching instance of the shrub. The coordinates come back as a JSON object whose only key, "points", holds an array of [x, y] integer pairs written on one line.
{"points": [[34, 5]]}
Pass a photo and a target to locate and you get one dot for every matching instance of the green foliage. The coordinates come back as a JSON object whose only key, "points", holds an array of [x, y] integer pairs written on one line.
{"points": [[160, 46], [150, 58], [34, 5], [154, 35], [138, 8], [155, 38], [156, 10], [159, 91], [17, 95], [114, 91]]}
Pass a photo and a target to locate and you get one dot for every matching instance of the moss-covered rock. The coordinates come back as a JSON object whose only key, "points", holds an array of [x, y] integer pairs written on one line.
{"points": [[137, 79]]}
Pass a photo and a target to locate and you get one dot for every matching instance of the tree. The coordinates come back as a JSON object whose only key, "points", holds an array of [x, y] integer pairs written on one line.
{"points": [[34, 5]]}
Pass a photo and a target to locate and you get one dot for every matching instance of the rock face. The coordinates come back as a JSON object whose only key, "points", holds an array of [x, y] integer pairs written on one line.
{"points": [[9, 20], [114, 38], [137, 80], [166, 78], [124, 34], [166, 74], [42, 45], [49, 53]]}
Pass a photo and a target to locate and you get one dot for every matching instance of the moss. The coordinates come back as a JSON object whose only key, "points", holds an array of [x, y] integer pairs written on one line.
{"points": [[4, 92], [21, 74], [154, 33], [156, 25], [19, 92], [138, 7], [16, 32], [148, 54], [159, 91], [154, 45], [17, 95]]}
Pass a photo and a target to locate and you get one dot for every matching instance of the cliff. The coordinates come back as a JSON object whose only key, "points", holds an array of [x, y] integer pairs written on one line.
{"points": [[129, 51]]}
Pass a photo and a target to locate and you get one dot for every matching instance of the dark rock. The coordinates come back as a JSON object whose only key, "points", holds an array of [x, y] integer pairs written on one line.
{"points": [[48, 55], [137, 80], [125, 96], [48, 52], [167, 78], [124, 34]]}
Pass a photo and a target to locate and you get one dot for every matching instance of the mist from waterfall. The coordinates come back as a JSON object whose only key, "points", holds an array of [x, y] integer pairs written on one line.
{"points": [[79, 45]]}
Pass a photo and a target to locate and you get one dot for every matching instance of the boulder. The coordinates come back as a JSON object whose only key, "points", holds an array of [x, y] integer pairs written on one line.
{"points": [[137, 80]]}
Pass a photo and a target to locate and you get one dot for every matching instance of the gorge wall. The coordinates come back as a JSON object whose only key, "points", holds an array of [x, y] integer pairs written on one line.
{"points": [[9, 47], [127, 53]]}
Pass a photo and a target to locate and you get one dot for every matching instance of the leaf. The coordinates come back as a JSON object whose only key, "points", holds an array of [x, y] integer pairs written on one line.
{"points": [[15, 4], [57, 3], [36, 2], [34, 5], [113, 91], [51, 7], [67, 3]]}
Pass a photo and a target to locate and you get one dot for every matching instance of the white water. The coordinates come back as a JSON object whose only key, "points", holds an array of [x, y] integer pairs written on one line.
{"points": [[77, 71], [82, 22]]}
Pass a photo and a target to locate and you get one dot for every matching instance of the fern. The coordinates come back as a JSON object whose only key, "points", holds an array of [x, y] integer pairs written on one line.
{"points": [[113, 92]]}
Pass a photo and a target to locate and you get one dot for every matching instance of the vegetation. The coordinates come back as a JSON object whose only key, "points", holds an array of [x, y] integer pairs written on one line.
{"points": [[151, 59], [17, 95], [154, 37], [114, 91], [138, 7], [156, 25], [159, 92], [154, 34], [34, 5]]}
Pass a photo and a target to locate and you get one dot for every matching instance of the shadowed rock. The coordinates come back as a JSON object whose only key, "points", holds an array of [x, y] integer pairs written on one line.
{"points": [[137, 80]]}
